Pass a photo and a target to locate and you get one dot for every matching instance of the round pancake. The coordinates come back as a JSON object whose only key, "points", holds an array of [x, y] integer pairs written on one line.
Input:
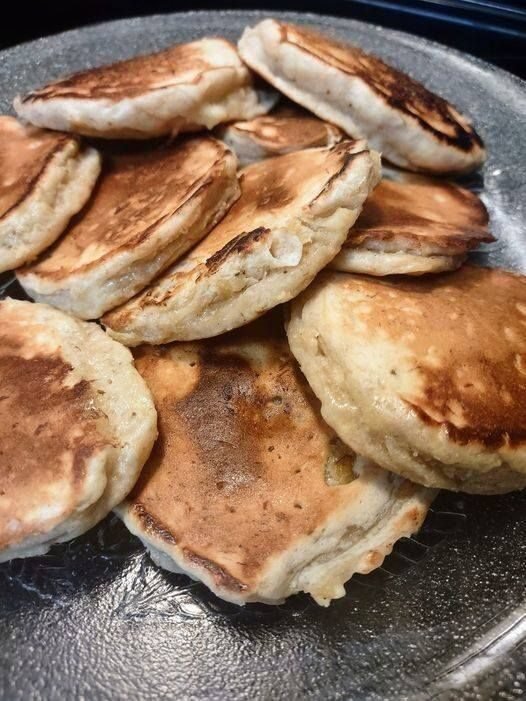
{"points": [[427, 378], [284, 130], [45, 178], [184, 87], [236, 491], [290, 221], [411, 126], [77, 423], [414, 228], [151, 205]]}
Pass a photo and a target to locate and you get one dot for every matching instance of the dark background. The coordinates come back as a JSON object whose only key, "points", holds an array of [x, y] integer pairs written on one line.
{"points": [[492, 29]]}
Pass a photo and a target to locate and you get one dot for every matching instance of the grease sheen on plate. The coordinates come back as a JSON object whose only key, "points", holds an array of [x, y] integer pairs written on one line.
{"points": [[411, 635]]}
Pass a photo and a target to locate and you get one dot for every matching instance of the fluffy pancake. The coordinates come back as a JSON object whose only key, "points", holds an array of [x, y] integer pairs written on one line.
{"points": [[150, 207], [414, 228], [184, 87], [427, 377], [411, 126], [284, 130], [77, 423], [45, 178], [290, 221], [235, 491]]}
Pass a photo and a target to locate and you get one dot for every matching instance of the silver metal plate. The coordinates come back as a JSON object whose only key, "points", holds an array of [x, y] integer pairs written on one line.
{"points": [[445, 617]]}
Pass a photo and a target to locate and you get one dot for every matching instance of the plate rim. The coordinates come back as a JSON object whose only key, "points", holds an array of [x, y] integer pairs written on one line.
{"points": [[310, 17]]}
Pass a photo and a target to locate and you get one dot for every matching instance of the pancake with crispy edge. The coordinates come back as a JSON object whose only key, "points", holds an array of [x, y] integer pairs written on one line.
{"points": [[411, 126], [290, 221], [425, 377], [185, 87], [414, 228], [247, 489], [45, 178], [151, 205], [284, 130], [77, 423]]}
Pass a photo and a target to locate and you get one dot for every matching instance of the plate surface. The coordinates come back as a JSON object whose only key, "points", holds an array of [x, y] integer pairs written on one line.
{"points": [[446, 615]]}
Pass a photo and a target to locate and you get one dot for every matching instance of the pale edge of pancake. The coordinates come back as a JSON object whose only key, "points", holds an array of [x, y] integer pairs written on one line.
{"points": [[328, 92], [266, 270], [131, 420], [318, 564], [220, 95], [388, 433], [94, 289], [380, 263], [61, 191]]}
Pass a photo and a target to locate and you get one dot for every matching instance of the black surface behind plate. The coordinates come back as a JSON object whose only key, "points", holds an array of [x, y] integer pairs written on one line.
{"points": [[446, 615]]}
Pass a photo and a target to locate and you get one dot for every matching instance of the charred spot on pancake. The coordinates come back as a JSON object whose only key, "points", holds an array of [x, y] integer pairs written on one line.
{"points": [[399, 90], [131, 77], [239, 244], [347, 157], [220, 575], [152, 525]]}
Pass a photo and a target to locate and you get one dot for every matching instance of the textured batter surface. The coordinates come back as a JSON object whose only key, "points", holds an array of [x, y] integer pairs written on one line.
{"points": [[430, 619], [45, 178], [414, 228], [77, 424], [248, 489], [150, 206], [427, 378], [366, 97], [285, 129], [185, 87], [291, 219]]}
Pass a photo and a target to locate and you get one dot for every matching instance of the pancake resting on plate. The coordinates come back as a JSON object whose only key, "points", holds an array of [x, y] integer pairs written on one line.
{"points": [[150, 206], [292, 218], [77, 423], [425, 377], [184, 87], [411, 126], [284, 130], [247, 489], [45, 178], [413, 229]]}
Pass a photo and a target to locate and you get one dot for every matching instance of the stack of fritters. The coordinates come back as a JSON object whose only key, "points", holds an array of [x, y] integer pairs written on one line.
{"points": [[259, 484]]}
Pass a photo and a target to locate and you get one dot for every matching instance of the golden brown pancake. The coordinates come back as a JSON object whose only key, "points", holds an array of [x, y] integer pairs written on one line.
{"points": [[367, 98], [414, 229], [284, 130], [427, 377], [45, 178], [293, 215], [235, 492], [184, 87], [151, 205], [76, 425]]}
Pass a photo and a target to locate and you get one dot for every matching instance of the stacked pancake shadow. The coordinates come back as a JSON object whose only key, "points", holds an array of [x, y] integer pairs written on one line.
{"points": [[312, 358]]}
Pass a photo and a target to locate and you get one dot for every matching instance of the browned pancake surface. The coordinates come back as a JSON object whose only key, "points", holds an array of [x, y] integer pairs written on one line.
{"points": [[288, 128], [24, 154], [396, 88], [462, 340], [49, 430], [440, 214], [177, 65], [237, 475], [269, 191], [136, 192]]}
